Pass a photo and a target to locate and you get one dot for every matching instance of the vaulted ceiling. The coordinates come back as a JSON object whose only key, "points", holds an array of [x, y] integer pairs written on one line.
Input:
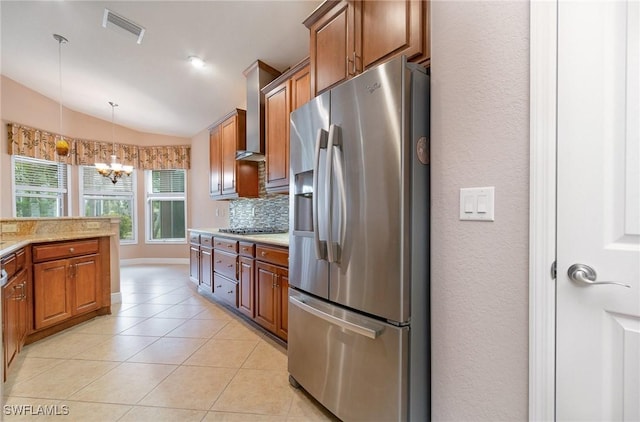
{"points": [[157, 90]]}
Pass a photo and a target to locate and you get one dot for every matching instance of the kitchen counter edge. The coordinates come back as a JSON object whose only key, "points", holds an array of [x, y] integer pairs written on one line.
{"points": [[278, 239]]}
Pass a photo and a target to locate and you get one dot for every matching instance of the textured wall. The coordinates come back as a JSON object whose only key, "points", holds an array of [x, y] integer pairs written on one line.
{"points": [[479, 282]]}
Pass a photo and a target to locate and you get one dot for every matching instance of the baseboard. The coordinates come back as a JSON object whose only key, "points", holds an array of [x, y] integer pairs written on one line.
{"points": [[116, 298], [151, 261]]}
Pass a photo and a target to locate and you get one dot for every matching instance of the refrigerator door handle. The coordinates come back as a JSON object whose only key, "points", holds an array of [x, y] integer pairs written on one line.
{"points": [[332, 250], [371, 331], [339, 172], [320, 246]]}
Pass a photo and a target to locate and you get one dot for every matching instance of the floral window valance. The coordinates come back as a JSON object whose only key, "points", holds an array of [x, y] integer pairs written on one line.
{"points": [[90, 152], [36, 143], [165, 157]]}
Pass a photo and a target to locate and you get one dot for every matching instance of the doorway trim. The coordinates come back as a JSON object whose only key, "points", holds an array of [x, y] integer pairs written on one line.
{"points": [[542, 207]]}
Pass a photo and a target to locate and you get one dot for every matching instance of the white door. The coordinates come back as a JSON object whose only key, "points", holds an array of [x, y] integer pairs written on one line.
{"points": [[598, 325]]}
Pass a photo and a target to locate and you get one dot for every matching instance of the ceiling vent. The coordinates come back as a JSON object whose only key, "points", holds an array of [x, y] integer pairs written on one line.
{"points": [[113, 20]]}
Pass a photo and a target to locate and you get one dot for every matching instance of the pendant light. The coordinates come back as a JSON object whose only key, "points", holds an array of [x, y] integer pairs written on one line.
{"points": [[62, 146], [114, 170]]}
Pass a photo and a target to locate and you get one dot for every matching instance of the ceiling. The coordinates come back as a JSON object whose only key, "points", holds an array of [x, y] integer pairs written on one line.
{"points": [[157, 90]]}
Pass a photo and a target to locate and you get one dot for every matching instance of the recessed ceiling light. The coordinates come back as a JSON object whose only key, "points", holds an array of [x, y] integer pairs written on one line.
{"points": [[196, 62]]}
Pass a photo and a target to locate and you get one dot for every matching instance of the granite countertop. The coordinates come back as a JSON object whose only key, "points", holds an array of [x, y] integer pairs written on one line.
{"points": [[277, 239], [8, 246]]}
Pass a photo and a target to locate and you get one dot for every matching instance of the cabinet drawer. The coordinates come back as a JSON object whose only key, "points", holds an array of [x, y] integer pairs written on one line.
{"points": [[194, 238], [206, 240], [10, 265], [273, 255], [225, 289], [247, 249], [64, 249], [225, 264], [225, 244], [21, 259]]}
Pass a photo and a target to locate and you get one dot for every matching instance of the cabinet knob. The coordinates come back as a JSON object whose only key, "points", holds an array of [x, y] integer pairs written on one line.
{"points": [[263, 253], [230, 291], [71, 250], [219, 262], [219, 286], [230, 265]]}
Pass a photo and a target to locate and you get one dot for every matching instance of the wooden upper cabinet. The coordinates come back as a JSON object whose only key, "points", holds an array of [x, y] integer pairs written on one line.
{"points": [[229, 141], [301, 86], [283, 95], [389, 28], [332, 44], [230, 178], [215, 162], [348, 37], [277, 109]]}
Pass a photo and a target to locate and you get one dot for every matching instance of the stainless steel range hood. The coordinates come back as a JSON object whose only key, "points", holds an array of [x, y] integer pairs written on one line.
{"points": [[258, 75]]}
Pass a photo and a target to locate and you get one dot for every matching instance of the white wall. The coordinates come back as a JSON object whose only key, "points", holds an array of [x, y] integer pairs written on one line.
{"points": [[479, 137]]}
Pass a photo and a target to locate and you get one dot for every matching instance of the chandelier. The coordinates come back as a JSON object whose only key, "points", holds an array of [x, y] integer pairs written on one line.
{"points": [[114, 170], [62, 146]]}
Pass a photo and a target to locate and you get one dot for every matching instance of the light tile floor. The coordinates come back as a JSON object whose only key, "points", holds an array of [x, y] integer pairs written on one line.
{"points": [[165, 354]]}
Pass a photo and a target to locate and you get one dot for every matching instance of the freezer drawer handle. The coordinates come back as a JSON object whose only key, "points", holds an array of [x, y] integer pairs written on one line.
{"points": [[371, 333]]}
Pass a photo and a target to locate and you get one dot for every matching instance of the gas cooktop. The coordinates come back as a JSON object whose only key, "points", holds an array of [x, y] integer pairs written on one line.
{"points": [[253, 230]]}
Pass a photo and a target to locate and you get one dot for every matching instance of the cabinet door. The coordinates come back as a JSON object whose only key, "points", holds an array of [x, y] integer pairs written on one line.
{"points": [[52, 293], [332, 46], [206, 267], [386, 29], [23, 307], [86, 283], [300, 88], [246, 284], [277, 109], [266, 281], [10, 304], [194, 263], [282, 329], [215, 162], [228, 142]]}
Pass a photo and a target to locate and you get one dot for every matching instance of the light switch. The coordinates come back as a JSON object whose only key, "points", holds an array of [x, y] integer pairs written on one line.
{"points": [[482, 204], [477, 204], [468, 204]]}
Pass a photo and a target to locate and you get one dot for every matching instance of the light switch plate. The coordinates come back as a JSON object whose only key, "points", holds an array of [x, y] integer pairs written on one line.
{"points": [[477, 204]]}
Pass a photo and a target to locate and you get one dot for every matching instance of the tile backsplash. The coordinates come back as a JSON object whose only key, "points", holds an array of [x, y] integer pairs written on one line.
{"points": [[270, 211]]}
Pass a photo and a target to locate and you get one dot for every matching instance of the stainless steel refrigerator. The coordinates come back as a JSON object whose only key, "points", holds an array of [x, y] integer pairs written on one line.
{"points": [[359, 246]]}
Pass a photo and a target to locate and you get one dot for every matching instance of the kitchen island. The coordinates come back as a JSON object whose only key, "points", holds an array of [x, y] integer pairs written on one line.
{"points": [[59, 274], [249, 273]]}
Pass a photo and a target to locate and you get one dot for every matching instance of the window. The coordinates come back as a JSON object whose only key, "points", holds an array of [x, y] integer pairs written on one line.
{"points": [[101, 198], [166, 205], [40, 187]]}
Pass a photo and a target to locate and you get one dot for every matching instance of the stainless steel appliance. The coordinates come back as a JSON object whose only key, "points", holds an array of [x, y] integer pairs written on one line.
{"points": [[359, 248]]}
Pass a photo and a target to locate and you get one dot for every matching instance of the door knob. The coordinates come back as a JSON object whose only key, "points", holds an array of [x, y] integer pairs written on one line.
{"points": [[585, 274]]}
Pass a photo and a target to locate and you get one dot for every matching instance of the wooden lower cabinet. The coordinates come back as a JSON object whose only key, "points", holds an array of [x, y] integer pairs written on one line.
{"points": [[246, 286], [15, 310], [52, 286], [206, 267], [251, 277], [69, 279], [86, 287], [65, 288], [271, 305], [194, 263]]}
